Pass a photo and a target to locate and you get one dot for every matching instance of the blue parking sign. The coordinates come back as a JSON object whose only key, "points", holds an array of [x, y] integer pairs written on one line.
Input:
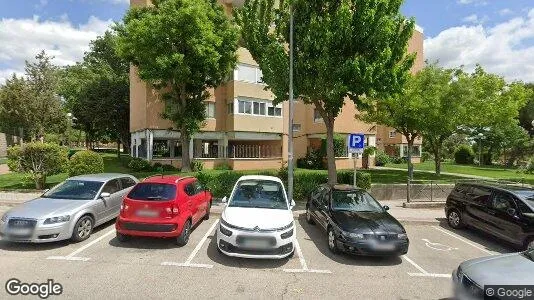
{"points": [[356, 142]]}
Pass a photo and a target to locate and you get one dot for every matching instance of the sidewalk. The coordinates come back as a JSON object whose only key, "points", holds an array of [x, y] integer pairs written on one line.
{"points": [[4, 169]]}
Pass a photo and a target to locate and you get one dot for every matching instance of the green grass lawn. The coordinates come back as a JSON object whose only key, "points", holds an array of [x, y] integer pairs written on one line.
{"points": [[113, 165], [496, 172], [3, 160]]}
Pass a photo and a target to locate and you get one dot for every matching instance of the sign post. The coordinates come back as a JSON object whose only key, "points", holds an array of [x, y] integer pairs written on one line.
{"points": [[356, 144]]}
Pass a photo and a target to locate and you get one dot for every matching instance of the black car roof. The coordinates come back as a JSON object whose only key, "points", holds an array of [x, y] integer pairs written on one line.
{"points": [[517, 190]]}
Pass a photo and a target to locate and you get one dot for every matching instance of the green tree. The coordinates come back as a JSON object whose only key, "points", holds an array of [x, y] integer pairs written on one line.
{"points": [[31, 104], [404, 111], [526, 114], [182, 48], [349, 49], [97, 90]]}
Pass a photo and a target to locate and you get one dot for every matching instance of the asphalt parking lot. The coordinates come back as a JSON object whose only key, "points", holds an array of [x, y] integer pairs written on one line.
{"points": [[101, 267]]}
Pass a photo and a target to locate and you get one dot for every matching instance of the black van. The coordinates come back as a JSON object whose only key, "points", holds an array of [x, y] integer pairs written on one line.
{"points": [[504, 211]]}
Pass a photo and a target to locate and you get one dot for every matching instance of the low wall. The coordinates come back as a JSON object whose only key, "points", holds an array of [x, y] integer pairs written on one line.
{"points": [[418, 192]]}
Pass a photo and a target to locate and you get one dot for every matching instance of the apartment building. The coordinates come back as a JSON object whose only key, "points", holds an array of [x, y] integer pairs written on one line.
{"points": [[244, 129]]}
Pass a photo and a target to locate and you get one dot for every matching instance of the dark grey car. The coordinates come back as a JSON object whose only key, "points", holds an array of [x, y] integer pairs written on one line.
{"points": [[70, 210]]}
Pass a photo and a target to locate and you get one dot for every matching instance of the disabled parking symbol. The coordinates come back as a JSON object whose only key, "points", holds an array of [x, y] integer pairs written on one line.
{"points": [[438, 246]]}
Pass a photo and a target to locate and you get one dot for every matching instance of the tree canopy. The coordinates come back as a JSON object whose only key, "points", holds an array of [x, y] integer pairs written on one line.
{"points": [[350, 49], [182, 48]]}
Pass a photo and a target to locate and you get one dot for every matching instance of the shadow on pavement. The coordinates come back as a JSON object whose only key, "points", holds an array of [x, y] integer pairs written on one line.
{"points": [[236, 262], [486, 240], [318, 237]]}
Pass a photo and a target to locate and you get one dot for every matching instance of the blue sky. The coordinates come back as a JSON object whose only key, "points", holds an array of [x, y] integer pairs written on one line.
{"points": [[498, 34]]}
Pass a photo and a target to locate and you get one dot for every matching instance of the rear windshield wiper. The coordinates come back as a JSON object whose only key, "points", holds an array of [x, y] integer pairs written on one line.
{"points": [[155, 198]]}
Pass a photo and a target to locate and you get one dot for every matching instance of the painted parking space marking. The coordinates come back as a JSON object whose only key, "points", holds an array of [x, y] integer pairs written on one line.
{"points": [[464, 240], [438, 246], [188, 263], [72, 256], [304, 266], [423, 272]]}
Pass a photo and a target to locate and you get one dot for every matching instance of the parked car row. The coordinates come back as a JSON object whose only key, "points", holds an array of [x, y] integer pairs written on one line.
{"points": [[507, 213], [257, 221]]}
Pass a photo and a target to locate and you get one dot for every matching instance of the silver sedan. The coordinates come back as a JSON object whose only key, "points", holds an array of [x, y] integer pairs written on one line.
{"points": [[70, 210]]}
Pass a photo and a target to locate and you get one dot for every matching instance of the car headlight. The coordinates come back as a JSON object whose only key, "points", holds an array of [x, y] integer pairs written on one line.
{"points": [[285, 227], [4, 218], [352, 235], [55, 220], [402, 236]]}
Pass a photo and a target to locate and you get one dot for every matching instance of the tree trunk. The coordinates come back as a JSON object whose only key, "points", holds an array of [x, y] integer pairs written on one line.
{"points": [[410, 165], [186, 161], [330, 154], [40, 181], [436, 147], [119, 148]]}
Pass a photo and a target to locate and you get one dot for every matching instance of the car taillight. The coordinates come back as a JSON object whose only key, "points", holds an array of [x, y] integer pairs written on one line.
{"points": [[124, 207], [172, 210]]}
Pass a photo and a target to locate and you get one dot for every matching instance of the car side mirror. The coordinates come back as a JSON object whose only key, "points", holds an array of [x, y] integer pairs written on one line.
{"points": [[224, 199], [292, 204], [386, 207], [104, 195], [511, 212]]}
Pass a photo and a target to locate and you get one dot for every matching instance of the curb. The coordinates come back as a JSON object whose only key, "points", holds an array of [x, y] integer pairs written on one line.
{"points": [[426, 204]]}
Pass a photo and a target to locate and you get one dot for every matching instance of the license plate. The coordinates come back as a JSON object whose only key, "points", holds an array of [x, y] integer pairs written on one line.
{"points": [[147, 213], [386, 247], [253, 243], [20, 231]]}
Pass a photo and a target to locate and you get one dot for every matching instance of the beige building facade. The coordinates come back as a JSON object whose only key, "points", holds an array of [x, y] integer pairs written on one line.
{"points": [[244, 129]]}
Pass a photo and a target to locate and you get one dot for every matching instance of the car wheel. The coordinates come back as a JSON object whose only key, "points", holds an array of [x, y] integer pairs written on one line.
{"points": [[184, 236], [207, 215], [309, 217], [454, 218], [332, 241], [122, 237], [82, 229]]}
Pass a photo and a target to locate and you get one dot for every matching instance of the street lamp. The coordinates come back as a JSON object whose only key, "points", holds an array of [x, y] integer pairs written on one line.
{"points": [[290, 127], [480, 135]]}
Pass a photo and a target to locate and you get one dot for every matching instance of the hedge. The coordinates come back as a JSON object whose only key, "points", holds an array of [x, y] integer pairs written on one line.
{"points": [[85, 162], [221, 184]]}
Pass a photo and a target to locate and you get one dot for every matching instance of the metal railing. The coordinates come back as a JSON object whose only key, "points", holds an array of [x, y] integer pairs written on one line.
{"points": [[238, 151]]}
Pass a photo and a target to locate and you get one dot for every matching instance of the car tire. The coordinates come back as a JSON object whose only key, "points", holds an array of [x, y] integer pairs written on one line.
{"points": [[332, 241], [207, 215], [309, 217], [454, 219], [122, 237], [82, 229], [183, 238]]}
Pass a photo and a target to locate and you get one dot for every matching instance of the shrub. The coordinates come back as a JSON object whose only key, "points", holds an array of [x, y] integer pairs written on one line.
{"points": [[340, 146], [86, 162], [425, 156], [381, 158], [363, 179], [313, 160], [169, 168], [197, 165], [464, 155], [39, 160], [397, 159], [223, 167], [305, 182], [137, 164], [528, 167]]}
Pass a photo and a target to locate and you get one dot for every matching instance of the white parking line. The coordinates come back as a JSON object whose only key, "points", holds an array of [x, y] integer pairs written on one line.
{"points": [[423, 273], [188, 263], [304, 266], [464, 240], [72, 255]]}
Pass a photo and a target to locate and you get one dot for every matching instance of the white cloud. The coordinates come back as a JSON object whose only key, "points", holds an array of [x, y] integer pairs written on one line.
{"points": [[22, 39], [503, 49], [475, 2], [475, 19], [505, 12]]}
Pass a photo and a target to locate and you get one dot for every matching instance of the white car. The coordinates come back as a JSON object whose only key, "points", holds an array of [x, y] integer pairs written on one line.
{"points": [[257, 221]]}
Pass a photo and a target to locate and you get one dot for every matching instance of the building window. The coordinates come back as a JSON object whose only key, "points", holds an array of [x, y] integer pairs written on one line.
{"points": [[317, 116], [210, 110], [296, 127], [248, 73], [392, 134], [416, 150], [230, 108], [258, 107]]}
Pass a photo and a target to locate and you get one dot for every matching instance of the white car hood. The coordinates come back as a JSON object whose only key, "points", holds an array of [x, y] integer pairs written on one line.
{"points": [[264, 218]]}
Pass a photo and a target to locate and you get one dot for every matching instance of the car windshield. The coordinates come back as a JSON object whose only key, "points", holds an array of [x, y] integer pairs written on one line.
{"points": [[357, 201], [529, 198], [153, 192], [75, 190], [259, 194]]}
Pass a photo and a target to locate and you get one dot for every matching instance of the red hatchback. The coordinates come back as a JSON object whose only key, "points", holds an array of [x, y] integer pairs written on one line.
{"points": [[163, 206]]}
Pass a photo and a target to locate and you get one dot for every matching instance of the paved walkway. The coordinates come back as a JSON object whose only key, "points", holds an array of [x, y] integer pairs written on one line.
{"points": [[442, 173], [4, 169]]}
